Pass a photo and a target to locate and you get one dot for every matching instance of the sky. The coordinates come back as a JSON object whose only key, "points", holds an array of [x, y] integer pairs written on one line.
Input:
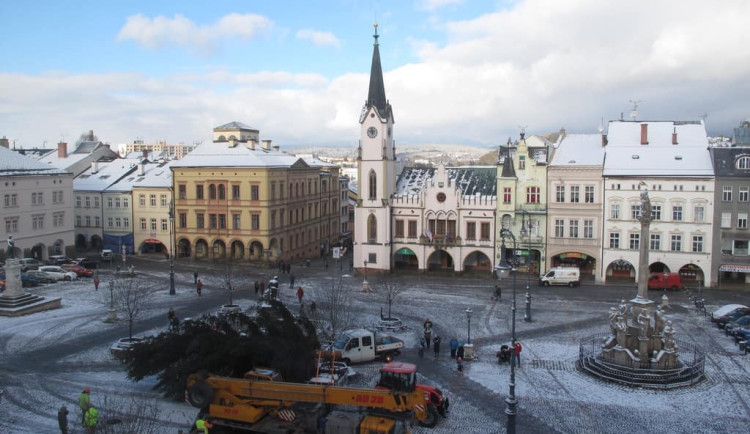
{"points": [[471, 72]]}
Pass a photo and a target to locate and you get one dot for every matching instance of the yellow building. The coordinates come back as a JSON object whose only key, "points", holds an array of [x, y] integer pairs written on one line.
{"points": [[240, 198]]}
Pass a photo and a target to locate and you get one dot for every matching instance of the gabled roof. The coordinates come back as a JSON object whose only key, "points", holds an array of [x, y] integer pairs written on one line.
{"points": [[14, 164], [579, 150], [105, 175], [626, 156], [223, 154], [470, 181]]}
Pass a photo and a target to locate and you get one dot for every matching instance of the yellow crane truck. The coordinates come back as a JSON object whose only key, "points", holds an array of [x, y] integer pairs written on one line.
{"points": [[260, 404]]}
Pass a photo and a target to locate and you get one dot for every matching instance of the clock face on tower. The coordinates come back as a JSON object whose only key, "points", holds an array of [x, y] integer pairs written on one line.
{"points": [[372, 132]]}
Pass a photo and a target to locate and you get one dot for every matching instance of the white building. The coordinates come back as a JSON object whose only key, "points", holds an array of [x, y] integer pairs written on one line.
{"points": [[37, 206], [671, 160]]}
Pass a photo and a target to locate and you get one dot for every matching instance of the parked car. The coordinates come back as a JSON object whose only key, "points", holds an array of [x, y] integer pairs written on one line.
{"points": [[91, 264], [79, 270], [731, 327], [29, 264], [26, 280], [124, 344], [58, 260], [229, 308], [2, 285], [742, 334], [107, 255], [732, 316], [724, 310], [58, 273], [671, 281], [41, 276]]}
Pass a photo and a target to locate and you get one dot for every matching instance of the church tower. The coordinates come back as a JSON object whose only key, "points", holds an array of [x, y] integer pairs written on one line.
{"points": [[376, 172]]}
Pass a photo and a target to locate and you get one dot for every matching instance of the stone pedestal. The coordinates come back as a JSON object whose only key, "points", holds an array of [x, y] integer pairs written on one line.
{"points": [[366, 286], [15, 302], [469, 352]]}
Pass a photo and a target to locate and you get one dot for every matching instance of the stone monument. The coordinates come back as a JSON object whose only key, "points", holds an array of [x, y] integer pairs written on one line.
{"points": [[14, 301]]}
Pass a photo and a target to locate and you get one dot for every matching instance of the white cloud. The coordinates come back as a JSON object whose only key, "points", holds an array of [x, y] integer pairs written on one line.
{"points": [[433, 5], [318, 38], [161, 31]]}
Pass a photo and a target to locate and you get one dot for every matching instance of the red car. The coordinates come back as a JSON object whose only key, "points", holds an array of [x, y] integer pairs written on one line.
{"points": [[80, 271]]}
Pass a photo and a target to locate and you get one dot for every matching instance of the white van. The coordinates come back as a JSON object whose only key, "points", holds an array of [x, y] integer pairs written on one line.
{"points": [[570, 276]]}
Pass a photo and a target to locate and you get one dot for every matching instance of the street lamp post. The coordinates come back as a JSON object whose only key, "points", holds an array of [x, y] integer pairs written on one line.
{"points": [[468, 318], [171, 249], [526, 232], [111, 313], [510, 400]]}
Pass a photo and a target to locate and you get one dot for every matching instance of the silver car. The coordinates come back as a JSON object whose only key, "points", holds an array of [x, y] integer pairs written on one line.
{"points": [[58, 273]]}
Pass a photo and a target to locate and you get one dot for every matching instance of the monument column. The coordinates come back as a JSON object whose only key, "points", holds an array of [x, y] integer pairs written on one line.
{"points": [[641, 304]]}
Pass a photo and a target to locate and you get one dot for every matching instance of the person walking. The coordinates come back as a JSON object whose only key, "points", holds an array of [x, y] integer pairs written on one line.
{"points": [[454, 346], [517, 353], [96, 283], [291, 281], [300, 294], [421, 348], [436, 345], [84, 402], [460, 364], [312, 307], [195, 277], [91, 419], [199, 287], [428, 332], [62, 419], [257, 287], [498, 292]]}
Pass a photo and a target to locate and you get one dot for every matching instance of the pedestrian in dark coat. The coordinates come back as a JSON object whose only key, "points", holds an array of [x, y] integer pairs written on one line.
{"points": [[291, 281], [257, 287], [195, 277], [454, 346], [436, 345], [300, 294], [428, 332], [288, 268], [62, 419], [96, 283], [199, 287], [498, 292]]}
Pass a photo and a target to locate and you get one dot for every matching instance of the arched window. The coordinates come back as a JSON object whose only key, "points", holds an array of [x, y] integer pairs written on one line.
{"points": [[743, 162], [222, 192], [372, 229], [212, 192], [222, 139], [291, 190], [296, 189], [373, 191]]}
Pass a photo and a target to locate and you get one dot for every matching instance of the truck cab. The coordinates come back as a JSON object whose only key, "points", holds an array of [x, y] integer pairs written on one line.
{"points": [[361, 345]]}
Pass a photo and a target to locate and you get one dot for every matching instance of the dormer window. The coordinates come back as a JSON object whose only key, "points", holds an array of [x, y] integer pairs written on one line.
{"points": [[743, 162], [521, 162]]}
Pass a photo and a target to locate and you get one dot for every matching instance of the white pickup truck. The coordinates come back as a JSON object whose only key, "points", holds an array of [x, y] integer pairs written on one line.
{"points": [[361, 345]]}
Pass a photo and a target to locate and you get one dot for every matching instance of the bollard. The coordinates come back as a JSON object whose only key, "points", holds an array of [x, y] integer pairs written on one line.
{"points": [[665, 301]]}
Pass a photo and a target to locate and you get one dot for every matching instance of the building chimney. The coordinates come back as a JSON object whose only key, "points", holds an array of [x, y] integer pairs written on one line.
{"points": [[142, 168], [62, 150], [94, 166], [145, 154], [644, 134], [674, 136], [604, 140], [266, 145], [4, 142], [251, 144], [276, 148]]}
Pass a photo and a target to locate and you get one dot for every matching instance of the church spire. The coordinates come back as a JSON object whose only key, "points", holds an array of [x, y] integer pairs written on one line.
{"points": [[376, 95]]}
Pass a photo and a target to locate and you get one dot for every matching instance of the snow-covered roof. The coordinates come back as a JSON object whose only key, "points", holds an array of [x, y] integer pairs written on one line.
{"points": [[234, 126], [14, 164], [222, 154], [106, 175], [579, 150], [53, 159], [626, 156], [156, 175], [471, 180]]}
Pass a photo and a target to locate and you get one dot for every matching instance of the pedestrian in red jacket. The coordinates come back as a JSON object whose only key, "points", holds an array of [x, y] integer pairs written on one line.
{"points": [[517, 353], [300, 294]]}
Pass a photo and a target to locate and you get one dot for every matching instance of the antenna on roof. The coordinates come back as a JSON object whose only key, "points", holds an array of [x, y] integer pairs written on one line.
{"points": [[634, 113], [601, 125], [704, 116]]}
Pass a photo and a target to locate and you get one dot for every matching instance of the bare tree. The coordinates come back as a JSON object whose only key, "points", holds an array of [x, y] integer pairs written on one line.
{"points": [[130, 296], [120, 414], [231, 277], [335, 311], [389, 290]]}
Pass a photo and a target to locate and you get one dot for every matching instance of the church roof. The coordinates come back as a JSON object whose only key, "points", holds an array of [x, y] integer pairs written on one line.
{"points": [[376, 95], [470, 180]]}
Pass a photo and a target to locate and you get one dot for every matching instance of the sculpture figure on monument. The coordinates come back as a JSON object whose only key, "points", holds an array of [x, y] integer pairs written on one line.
{"points": [[645, 207], [669, 337], [658, 321], [11, 252], [643, 321], [622, 322], [623, 310], [613, 318]]}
